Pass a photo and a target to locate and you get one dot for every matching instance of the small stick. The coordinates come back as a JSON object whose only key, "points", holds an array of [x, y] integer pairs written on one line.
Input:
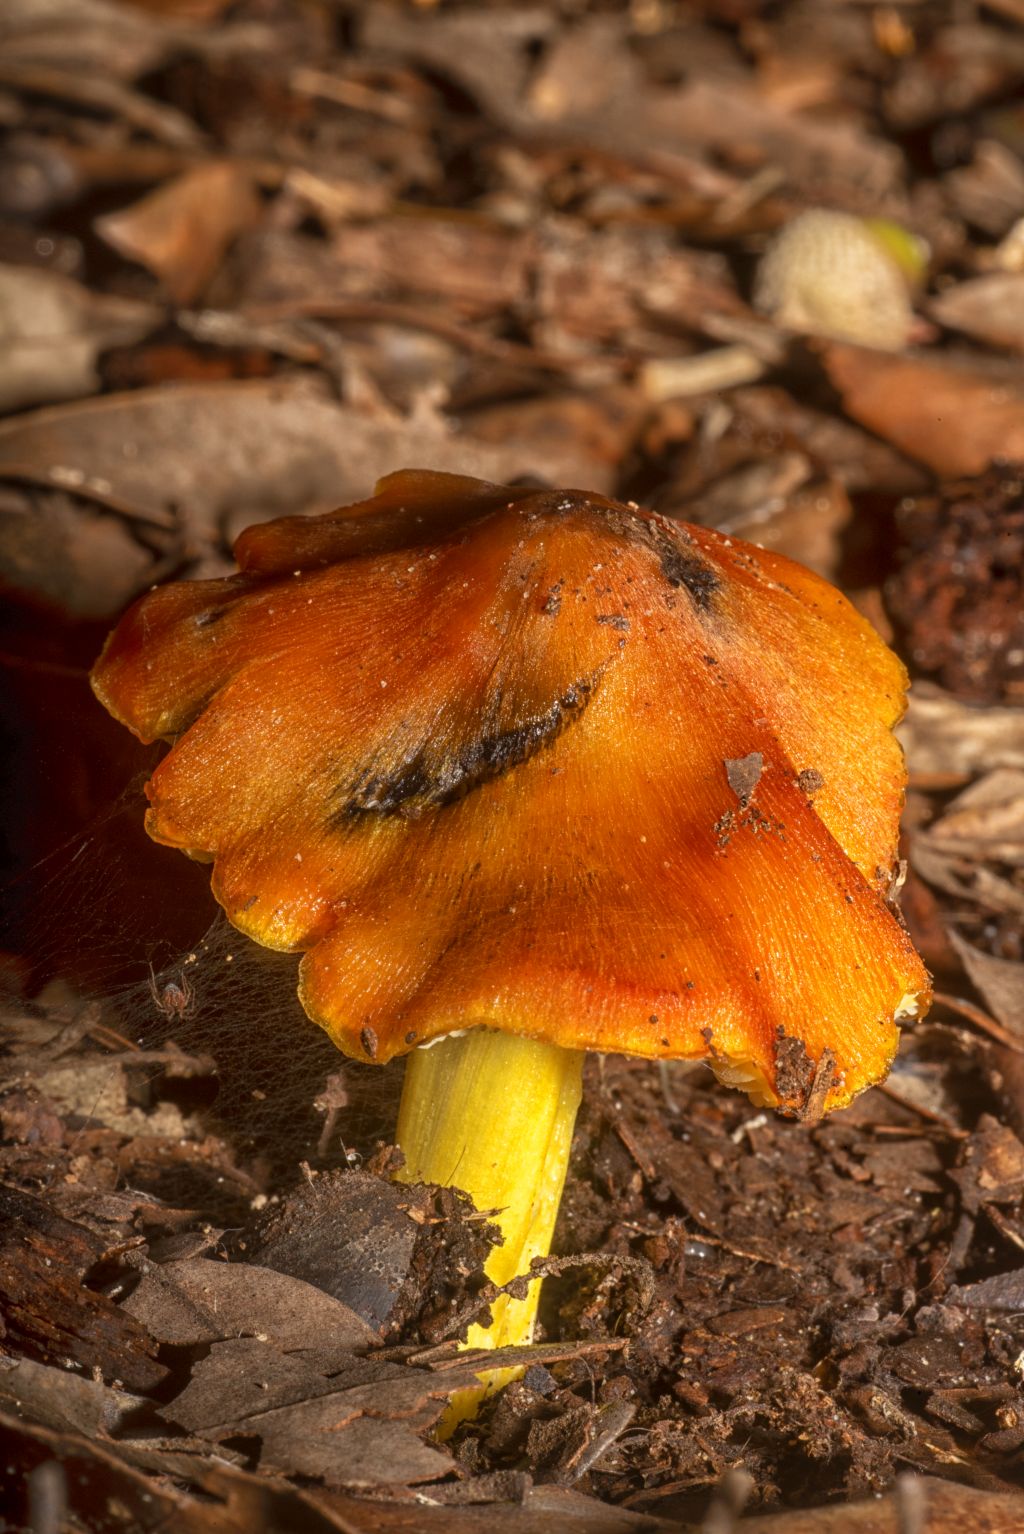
{"points": [[981, 1020]]}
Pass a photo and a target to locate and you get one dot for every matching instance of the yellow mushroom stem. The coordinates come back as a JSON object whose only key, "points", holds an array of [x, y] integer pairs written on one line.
{"points": [[493, 1114]]}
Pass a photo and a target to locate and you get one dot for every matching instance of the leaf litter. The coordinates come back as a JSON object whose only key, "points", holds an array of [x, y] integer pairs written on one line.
{"points": [[251, 258]]}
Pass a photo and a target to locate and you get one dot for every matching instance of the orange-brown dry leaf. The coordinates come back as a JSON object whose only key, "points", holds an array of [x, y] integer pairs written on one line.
{"points": [[953, 419], [181, 230], [540, 761]]}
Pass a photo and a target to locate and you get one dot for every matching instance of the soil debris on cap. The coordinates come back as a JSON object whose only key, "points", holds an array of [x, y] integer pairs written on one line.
{"points": [[810, 781], [744, 774]]}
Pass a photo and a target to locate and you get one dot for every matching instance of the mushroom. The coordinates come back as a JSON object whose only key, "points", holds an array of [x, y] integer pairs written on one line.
{"points": [[528, 773]]}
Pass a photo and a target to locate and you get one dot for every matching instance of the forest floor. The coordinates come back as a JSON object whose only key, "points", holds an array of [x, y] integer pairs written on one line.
{"points": [[253, 256]]}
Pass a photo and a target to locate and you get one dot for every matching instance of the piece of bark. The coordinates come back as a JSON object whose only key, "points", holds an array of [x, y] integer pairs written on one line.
{"points": [[103, 1488], [1001, 1292], [917, 1502], [47, 1310]]}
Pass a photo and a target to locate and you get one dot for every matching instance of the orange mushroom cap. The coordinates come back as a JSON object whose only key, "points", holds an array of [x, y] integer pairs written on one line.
{"points": [[543, 762]]}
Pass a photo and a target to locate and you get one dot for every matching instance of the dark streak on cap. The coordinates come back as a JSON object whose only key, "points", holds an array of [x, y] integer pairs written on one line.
{"points": [[426, 781]]}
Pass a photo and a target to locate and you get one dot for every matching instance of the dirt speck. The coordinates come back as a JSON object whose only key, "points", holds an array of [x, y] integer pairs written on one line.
{"points": [[810, 781], [744, 774]]}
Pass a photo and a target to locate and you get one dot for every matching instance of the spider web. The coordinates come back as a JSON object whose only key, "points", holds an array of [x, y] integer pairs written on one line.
{"points": [[121, 942]]}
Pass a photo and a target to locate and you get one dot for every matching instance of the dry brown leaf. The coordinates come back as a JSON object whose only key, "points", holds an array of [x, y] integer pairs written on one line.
{"points": [[98, 93], [202, 11], [199, 1301], [67, 552], [952, 419], [965, 879], [471, 264], [193, 1496], [52, 330], [264, 449], [608, 102], [87, 35], [857, 459], [965, 852], [182, 230], [484, 51], [368, 1270], [805, 522], [987, 819], [945, 737], [599, 426], [725, 115], [989, 308], [989, 192], [359, 1428], [961, 65], [585, 69], [594, 88], [1000, 981], [63, 1400]]}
